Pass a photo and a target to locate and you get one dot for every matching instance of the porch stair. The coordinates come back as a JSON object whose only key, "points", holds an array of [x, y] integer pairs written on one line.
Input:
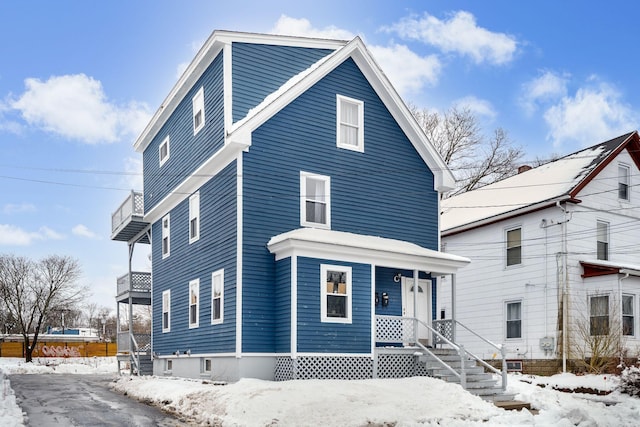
{"points": [[479, 382]]}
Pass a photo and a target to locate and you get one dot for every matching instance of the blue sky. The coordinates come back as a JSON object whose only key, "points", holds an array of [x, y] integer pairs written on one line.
{"points": [[79, 79]]}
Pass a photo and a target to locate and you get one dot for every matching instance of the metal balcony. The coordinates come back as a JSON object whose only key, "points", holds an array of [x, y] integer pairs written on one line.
{"points": [[127, 221]]}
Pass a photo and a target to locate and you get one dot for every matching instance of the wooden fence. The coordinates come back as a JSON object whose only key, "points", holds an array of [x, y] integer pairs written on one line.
{"points": [[60, 349]]}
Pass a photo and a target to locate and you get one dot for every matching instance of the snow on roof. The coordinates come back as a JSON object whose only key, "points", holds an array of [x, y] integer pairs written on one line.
{"points": [[543, 184]]}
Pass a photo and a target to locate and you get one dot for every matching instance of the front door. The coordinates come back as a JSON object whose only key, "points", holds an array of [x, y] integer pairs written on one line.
{"points": [[422, 304]]}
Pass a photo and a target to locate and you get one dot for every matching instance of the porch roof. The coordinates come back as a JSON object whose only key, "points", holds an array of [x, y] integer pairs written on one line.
{"points": [[380, 251]]}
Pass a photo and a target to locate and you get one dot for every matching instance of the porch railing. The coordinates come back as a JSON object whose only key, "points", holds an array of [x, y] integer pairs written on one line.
{"points": [[137, 281], [142, 340], [132, 206]]}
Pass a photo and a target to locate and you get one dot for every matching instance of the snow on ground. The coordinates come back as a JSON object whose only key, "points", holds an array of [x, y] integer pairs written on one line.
{"points": [[415, 401]]}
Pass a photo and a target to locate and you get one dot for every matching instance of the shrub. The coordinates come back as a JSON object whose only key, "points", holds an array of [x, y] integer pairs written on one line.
{"points": [[630, 381]]}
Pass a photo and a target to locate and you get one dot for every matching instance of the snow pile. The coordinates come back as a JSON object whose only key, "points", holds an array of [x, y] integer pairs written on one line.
{"points": [[10, 412], [51, 365], [630, 381]]}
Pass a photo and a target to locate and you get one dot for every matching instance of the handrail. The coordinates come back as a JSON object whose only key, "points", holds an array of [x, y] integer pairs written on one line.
{"points": [[135, 354], [460, 349]]}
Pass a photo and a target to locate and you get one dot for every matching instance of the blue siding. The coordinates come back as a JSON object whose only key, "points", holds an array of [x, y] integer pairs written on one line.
{"points": [[215, 249], [385, 283], [283, 306], [187, 152], [259, 70], [315, 336]]}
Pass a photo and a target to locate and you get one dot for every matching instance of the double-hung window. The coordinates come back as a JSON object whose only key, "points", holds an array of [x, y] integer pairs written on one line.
{"points": [[623, 182], [514, 319], [602, 240], [166, 236], [198, 111], [166, 311], [599, 315], [335, 290], [217, 297], [350, 123], [628, 319], [194, 217], [194, 303], [514, 246], [164, 151], [315, 200]]}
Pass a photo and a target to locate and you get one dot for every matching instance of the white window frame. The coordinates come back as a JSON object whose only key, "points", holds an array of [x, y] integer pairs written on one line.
{"points": [[166, 309], [324, 294], [214, 276], [194, 217], [207, 369], [606, 241], [608, 315], [624, 179], [165, 245], [304, 176], [164, 144], [340, 100], [198, 107], [507, 320], [632, 315], [507, 248], [194, 290]]}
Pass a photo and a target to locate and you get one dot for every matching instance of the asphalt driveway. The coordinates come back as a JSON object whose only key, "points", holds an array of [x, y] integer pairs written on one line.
{"points": [[82, 400]]}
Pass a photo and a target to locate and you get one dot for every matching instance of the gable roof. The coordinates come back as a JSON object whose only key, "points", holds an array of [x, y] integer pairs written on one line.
{"points": [[537, 188]]}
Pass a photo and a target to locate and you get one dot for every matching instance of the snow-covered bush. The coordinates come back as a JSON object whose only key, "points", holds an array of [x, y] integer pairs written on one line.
{"points": [[630, 381]]}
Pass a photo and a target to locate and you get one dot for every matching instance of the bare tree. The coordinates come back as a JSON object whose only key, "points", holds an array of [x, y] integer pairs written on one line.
{"points": [[30, 290], [474, 159]]}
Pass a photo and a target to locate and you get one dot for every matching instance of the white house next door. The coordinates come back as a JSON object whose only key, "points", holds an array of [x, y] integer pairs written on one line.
{"points": [[422, 304]]}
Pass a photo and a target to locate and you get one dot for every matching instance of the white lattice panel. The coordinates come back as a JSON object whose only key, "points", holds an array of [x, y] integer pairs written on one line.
{"points": [[393, 329]]}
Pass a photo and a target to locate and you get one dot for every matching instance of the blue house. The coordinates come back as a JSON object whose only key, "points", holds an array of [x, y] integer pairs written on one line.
{"points": [[292, 206]]}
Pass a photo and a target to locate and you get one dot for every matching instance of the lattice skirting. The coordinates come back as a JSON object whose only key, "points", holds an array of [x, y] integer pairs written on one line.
{"points": [[348, 368]]}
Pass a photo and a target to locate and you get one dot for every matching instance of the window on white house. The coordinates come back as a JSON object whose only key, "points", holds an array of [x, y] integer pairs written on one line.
{"points": [[603, 240], [164, 151], [599, 315], [623, 182], [628, 319], [350, 123], [514, 246], [194, 306], [335, 286], [206, 366], [166, 236], [514, 319], [315, 200], [198, 111], [217, 297], [166, 311], [194, 217], [168, 366]]}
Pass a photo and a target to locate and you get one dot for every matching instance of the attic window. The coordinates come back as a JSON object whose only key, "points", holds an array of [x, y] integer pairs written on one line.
{"points": [[350, 123], [623, 182], [164, 151], [198, 111]]}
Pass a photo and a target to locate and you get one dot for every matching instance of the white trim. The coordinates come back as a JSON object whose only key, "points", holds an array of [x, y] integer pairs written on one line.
{"points": [[217, 273], [164, 143], [347, 295], [194, 213], [168, 328], [373, 308], [294, 307], [326, 180], [197, 103], [194, 285], [360, 125], [335, 354], [227, 86], [166, 235], [239, 259]]}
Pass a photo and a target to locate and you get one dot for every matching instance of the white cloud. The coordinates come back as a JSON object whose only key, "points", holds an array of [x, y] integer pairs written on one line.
{"points": [[406, 70], [11, 235], [548, 86], [76, 107], [302, 27], [83, 231], [594, 114], [459, 34], [11, 208], [479, 107]]}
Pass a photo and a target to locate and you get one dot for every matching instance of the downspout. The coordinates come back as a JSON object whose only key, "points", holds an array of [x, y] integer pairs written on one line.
{"points": [[621, 314]]}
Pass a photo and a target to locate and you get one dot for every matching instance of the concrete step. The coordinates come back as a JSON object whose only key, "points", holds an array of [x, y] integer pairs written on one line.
{"points": [[513, 405]]}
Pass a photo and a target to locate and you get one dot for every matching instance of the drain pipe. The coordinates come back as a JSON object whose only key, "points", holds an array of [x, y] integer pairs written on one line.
{"points": [[621, 315]]}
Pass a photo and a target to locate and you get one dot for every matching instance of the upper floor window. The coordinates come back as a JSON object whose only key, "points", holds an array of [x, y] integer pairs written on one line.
{"points": [[194, 306], [514, 246], [603, 240], [217, 297], [194, 217], [350, 123], [623, 182], [166, 234], [514, 319], [628, 319], [315, 200], [166, 310], [164, 151], [198, 111], [335, 286], [599, 315]]}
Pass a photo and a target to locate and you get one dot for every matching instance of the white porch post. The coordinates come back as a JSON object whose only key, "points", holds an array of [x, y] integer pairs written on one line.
{"points": [[453, 307], [416, 325]]}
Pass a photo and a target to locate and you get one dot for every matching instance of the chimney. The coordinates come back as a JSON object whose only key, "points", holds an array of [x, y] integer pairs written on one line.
{"points": [[524, 168]]}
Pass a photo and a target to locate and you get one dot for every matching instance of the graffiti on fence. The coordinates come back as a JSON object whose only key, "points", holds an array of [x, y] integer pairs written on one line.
{"points": [[60, 351]]}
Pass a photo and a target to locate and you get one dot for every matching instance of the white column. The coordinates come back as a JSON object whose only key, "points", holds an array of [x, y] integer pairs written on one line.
{"points": [[453, 308]]}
